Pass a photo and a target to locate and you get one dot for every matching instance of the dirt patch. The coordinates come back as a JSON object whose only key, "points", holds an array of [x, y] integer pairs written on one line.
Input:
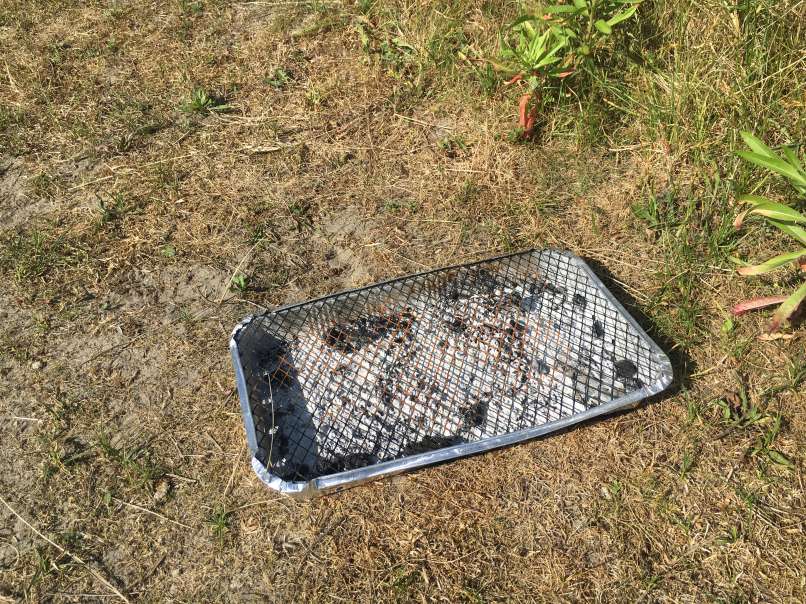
{"points": [[170, 291], [16, 206], [346, 234]]}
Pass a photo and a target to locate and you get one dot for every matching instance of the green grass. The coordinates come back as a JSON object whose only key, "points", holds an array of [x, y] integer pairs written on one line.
{"points": [[140, 469], [220, 522], [31, 255]]}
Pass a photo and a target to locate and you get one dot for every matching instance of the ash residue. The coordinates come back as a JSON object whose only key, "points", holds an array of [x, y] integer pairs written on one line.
{"points": [[352, 337]]}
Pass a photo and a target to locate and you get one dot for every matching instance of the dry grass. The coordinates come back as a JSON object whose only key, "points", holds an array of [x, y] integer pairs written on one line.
{"points": [[124, 215]]}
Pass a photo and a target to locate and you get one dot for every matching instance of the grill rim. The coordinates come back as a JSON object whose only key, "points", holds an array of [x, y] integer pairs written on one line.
{"points": [[338, 481]]}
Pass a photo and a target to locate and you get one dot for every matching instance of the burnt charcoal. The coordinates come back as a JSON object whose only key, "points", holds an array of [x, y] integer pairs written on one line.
{"points": [[375, 327], [542, 366], [634, 383], [457, 325], [278, 444], [598, 329], [283, 375], [546, 286], [430, 443], [514, 299], [625, 369], [337, 337], [484, 279], [475, 415], [579, 300], [517, 326], [342, 463], [278, 349], [387, 392]]}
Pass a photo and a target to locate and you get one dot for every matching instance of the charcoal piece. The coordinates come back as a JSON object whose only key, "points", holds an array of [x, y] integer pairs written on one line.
{"points": [[430, 443], [625, 369], [542, 367], [337, 337], [475, 415], [457, 325]]}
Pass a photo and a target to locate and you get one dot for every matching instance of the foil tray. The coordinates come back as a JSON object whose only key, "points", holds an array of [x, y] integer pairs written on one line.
{"points": [[433, 366]]}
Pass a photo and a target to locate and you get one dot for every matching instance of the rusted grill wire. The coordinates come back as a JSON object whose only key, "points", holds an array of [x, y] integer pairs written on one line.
{"points": [[433, 360]]}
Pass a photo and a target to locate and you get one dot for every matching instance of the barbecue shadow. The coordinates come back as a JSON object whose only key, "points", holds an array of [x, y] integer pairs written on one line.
{"points": [[284, 428]]}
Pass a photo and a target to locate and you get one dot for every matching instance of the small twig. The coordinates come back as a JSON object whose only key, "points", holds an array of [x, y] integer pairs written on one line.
{"points": [[707, 371], [214, 441], [232, 475], [180, 477], [329, 528], [92, 182], [260, 150], [153, 513], [92, 571], [111, 348], [142, 579], [255, 503], [422, 123], [22, 419], [11, 80]]}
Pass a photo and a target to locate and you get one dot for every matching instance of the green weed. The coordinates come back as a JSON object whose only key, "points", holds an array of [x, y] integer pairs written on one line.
{"points": [[559, 47], [32, 255], [687, 463], [136, 462], [784, 217], [112, 209], [220, 522], [279, 78], [201, 102], [239, 283]]}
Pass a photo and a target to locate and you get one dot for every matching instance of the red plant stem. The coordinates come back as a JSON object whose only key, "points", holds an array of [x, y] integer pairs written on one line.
{"points": [[756, 303]]}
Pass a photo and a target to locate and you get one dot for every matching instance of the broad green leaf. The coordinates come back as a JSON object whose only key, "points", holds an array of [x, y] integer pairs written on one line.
{"points": [[779, 458], [580, 4], [778, 211], [562, 32], [522, 19], [603, 27], [622, 16], [754, 200], [789, 306], [792, 158], [548, 58], [557, 9], [792, 230], [776, 164], [772, 263], [756, 144]]}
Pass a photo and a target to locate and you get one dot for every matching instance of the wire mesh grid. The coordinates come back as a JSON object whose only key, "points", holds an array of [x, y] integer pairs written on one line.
{"points": [[434, 360]]}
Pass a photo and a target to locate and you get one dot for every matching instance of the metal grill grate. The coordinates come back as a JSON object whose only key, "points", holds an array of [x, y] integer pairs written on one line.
{"points": [[434, 366]]}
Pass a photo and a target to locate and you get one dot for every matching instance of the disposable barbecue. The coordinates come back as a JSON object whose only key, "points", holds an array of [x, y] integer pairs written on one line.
{"points": [[434, 366]]}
